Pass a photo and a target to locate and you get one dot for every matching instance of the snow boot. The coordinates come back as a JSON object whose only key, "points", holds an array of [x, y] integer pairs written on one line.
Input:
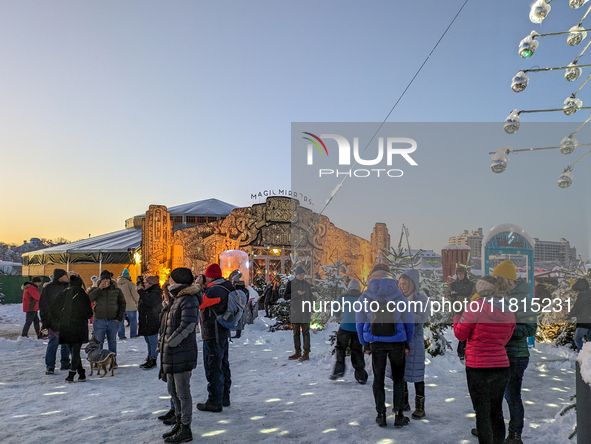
{"points": [[296, 355], [226, 400], [70, 377], [175, 429], [82, 375], [513, 438], [419, 407], [184, 434], [145, 363], [305, 356], [474, 431], [401, 420], [150, 364], [50, 371], [209, 407], [335, 376], [167, 415], [361, 377], [171, 420], [381, 419], [406, 407]]}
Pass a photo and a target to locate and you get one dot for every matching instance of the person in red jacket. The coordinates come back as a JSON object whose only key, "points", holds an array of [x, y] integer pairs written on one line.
{"points": [[31, 306], [487, 325]]}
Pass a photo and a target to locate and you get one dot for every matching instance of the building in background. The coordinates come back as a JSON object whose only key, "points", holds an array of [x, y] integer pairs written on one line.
{"points": [[472, 239], [550, 251]]}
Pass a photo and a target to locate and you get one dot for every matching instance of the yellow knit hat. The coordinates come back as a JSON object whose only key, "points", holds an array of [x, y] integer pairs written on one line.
{"points": [[506, 269]]}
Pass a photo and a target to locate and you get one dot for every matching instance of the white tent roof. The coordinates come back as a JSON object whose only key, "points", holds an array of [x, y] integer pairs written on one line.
{"points": [[118, 241], [207, 207]]}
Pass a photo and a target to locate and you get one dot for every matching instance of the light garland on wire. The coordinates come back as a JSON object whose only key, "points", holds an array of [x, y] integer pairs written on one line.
{"points": [[527, 47]]}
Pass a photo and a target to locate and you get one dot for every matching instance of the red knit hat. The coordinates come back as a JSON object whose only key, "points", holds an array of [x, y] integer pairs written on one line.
{"points": [[213, 271]]}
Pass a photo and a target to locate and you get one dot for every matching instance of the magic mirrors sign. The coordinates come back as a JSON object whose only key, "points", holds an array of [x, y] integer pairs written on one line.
{"points": [[262, 196]]}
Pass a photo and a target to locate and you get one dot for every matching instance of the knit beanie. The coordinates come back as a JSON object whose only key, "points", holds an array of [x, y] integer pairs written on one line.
{"points": [[125, 273], [182, 276], [58, 273], [354, 285], [299, 270], [506, 269], [105, 274], [213, 271]]}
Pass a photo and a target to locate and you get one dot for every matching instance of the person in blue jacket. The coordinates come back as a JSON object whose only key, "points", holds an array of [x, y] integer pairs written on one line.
{"points": [[347, 336], [386, 325], [414, 370]]}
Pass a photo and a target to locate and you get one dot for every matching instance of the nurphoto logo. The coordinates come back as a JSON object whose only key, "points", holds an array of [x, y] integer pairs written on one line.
{"points": [[393, 147]]}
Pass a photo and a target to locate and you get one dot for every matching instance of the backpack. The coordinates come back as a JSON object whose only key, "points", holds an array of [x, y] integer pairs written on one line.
{"points": [[232, 317], [383, 322]]}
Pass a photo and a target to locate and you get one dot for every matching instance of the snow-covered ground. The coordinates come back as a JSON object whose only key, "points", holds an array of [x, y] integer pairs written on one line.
{"points": [[273, 399]]}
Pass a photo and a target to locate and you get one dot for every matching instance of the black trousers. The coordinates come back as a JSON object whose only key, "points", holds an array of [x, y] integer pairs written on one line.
{"points": [[305, 333], [345, 339], [487, 387], [76, 362], [32, 318], [380, 353]]}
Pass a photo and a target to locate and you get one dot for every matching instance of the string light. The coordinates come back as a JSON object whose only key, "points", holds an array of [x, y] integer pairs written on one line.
{"points": [[539, 11]]}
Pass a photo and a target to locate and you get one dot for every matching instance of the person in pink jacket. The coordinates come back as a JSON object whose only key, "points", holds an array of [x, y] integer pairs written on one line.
{"points": [[487, 325], [31, 306]]}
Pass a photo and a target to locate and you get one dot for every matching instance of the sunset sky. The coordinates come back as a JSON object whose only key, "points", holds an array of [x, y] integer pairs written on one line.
{"points": [[108, 107]]}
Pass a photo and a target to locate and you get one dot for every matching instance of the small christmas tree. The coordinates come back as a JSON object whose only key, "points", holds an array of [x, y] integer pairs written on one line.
{"points": [[436, 343], [334, 283], [281, 312]]}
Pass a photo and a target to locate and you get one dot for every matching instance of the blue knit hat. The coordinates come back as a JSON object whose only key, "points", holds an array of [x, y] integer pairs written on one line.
{"points": [[125, 273]]}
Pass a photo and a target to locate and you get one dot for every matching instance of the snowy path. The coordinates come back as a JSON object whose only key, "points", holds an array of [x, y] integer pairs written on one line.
{"points": [[273, 399]]}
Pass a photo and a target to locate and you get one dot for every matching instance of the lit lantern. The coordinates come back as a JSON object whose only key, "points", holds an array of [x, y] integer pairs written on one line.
{"points": [[576, 4], [519, 82], [568, 144], [528, 46], [512, 122], [231, 260], [500, 159], [539, 11], [566, 179], [573, 72], [571, 105], [576, 36]]}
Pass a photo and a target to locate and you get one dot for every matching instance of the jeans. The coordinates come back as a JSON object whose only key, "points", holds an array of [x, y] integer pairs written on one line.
{"points": [[51, 352], [108, 328], [217, 369], [32, 318], [580, 333], [380, 353], [305, 333], [513, 394], [132, 316], [347, 338], [486, 386], [179, 388], [152, 342]]}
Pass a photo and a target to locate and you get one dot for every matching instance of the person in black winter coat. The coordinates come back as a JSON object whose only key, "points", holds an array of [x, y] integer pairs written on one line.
{"points": [[461, 290], [582, 311], [271, 296], [48, 295], [215, 340], [72, 310], [149, 308], [299, 292], [178, 347]]}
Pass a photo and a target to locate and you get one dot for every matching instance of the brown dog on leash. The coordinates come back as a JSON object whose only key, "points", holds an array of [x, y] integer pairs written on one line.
{"points": [[99, 358]]}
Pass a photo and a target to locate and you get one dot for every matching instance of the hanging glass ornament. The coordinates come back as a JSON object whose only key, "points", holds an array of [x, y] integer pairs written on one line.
{"points": [[568, 144], [528, 46], [539, 11], [576, 4], [571, 105], [500, 159], [576, 36], [512, 122], [519, 82], [566, 179], [573, 73]]}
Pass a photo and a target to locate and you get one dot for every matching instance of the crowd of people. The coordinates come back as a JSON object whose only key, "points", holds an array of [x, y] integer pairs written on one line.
{"points": [[492, 337]]}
